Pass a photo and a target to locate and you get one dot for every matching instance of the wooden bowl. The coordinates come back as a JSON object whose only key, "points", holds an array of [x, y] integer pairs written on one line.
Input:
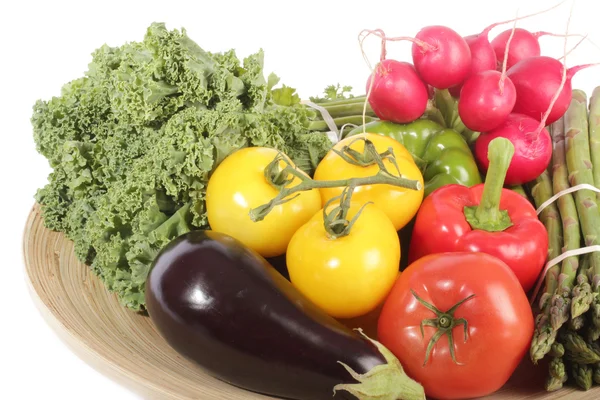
{"points": [[126, 347]]}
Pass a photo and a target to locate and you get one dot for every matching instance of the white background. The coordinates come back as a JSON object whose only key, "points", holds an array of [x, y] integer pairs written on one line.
{"points": [[309, 44]]}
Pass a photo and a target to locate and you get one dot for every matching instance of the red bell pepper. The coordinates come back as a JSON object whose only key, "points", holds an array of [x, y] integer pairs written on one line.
{"points": [[484, 218]]}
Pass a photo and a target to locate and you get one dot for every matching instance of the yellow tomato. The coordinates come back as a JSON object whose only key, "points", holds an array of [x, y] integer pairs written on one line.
{"points": [[347, 276], [238, 185], [398, 203]]}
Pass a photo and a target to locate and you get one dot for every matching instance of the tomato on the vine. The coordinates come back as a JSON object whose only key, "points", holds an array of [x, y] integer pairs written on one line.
{"points": [[398, 203], [459, 323], [346, 276], [238, 185]]}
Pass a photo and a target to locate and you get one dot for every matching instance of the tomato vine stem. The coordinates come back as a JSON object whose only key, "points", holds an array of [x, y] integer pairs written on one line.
{"points": [[281, 177]]}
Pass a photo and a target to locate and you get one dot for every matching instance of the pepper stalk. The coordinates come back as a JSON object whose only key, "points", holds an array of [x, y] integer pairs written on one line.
{"points": [[487, 215]]}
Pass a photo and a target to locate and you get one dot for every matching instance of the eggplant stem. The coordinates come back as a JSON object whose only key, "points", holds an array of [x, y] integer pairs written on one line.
{"points": [[384, 381]]}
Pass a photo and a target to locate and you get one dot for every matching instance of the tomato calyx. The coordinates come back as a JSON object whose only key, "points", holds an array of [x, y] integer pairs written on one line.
{"points": [[277, 176], [445, 322], [369, 156], [487, 214], [336, 223]]}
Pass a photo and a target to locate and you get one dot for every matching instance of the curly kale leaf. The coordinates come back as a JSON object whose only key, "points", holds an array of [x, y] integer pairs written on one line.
{"points": [[133, 142]]}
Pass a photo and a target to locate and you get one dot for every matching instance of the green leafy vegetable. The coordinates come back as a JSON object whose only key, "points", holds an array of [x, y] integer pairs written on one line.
{"points": [[334, 92], [132, 144]]}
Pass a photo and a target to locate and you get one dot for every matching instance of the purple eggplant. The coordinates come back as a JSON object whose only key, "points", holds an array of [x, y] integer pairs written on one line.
{"points": [[226, 308]]}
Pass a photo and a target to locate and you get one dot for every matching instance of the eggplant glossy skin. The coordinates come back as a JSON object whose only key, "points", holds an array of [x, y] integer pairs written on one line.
{"points": [[225, 307]]}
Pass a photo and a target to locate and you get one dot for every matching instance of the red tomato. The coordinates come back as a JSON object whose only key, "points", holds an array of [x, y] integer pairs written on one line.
{"points": [[494, 314]]}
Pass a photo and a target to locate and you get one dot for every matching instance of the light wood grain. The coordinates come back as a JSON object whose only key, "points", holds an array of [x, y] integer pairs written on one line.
{"points": [[125, 345]]}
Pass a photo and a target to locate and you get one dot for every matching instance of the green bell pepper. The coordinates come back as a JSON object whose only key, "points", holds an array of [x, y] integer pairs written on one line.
{"points": [[442, 154]]}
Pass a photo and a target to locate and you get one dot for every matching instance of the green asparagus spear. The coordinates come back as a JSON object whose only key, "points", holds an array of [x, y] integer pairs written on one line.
{"points": [[579, 166], [594, 128], [594, 139], [545, 334], [577, 323], [594, 346], [596, 375], [553, 384], [347, 109], [543, 338], [577, 349], [342, 111], [582, 296], [592, 333], [557, 374], [541, 190], [561, 302], [557, 350], [582, 375]]}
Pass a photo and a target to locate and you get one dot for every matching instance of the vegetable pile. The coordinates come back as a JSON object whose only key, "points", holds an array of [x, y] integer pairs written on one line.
{"points": [[440, 212]]}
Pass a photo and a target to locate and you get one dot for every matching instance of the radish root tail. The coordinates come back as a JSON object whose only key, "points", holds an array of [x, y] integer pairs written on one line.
{"points": [[563, 79], [379, 33], [505, 61], [487, 30], [539, 34], [574, 47], [361, 39]]}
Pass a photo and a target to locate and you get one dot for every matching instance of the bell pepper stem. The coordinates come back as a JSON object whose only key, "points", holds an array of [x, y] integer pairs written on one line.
{"points": [[487, 215], [500, 152]]}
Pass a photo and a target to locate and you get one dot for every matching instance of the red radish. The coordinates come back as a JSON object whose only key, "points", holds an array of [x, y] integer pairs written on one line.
{"points": [[483, 57], [533, 150], [537, 80], [396, 93], [524, 44], [487, 98], [533, 146], [483, 104], [441, 56]]}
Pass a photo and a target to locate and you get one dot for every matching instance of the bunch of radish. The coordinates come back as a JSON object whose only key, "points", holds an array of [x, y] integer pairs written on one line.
{"points": [[505, 88]]}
